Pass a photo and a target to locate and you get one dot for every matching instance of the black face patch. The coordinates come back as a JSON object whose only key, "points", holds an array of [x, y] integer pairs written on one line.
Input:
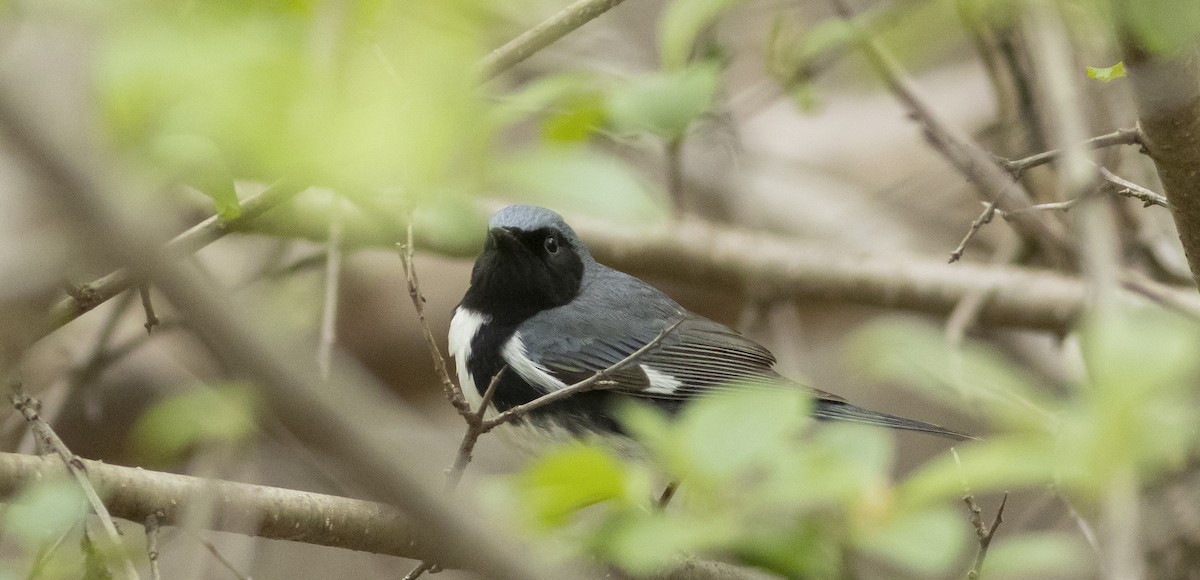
{"points": [[521, 273]]}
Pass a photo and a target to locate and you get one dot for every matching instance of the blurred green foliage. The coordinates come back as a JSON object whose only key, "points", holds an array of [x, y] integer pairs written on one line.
{"points": [[1108, 73], [169, 430], [763, 488]]}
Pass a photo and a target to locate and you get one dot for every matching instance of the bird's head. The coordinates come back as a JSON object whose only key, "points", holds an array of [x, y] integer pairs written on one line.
{"points": [[532, 261]]}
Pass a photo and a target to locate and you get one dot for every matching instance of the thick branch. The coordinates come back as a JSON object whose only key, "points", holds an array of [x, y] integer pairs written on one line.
{"points": [[1167, 92], [769, 264], [296, 516]]}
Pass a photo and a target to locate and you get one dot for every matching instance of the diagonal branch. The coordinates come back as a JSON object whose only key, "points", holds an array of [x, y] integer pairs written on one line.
{"points": [[522, 47], [202, 234], [1119, 137], [30, 408], [994, 183], [592, 382]]}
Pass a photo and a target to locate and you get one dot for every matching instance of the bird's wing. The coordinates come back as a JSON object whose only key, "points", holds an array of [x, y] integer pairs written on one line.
{"points": [[696, 357]]}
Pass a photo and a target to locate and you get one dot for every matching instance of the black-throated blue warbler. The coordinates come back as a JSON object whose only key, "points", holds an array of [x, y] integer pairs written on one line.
{"points": [[540, 305]]}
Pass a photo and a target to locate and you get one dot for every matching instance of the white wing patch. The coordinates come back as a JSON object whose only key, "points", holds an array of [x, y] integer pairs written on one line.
{"points": [[660, 382], [463, 328], [517, 359]]}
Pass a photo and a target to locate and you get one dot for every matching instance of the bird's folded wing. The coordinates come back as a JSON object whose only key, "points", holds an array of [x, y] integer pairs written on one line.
{"points": [[697, 357]]}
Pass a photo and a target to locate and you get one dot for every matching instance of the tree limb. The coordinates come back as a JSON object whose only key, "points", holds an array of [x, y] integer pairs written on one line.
{"points": [[522, 47]]}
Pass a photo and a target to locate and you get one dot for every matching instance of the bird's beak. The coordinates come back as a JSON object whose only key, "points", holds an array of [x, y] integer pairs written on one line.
{"points": [[502, 238]]}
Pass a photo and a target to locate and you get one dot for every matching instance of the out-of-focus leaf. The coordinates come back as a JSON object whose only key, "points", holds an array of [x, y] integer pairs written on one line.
{"points": [[568, 479], [45, 511], [682, 21], [199, 163], [1037, 555], [643, 543], [576, 119], [95, 560], [1131, 353], [1163, 26], [664, 104], [725, 434], [973, 377], [1108, 73], [587, 181], [168, 430], [927, 542], [989, 466]]}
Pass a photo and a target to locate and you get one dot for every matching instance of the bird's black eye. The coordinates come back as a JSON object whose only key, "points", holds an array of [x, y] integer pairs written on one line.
{"points": [[551, 245]]}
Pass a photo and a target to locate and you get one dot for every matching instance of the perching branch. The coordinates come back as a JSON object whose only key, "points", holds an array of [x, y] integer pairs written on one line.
{"points": [[453, 392], [522, 47], [592, 382]]}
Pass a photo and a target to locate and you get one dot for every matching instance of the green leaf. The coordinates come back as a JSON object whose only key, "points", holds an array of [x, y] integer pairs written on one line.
{"points": [[1037, 555], [577, 118], [45, 511], [664, 104], [95, 560], [992, 465], [723, 435], [563, 481], [972, 377], [199, 162], [171, 428], [1107, 74], [928, 542], [644, 542], [681, 23], [590, 182]]}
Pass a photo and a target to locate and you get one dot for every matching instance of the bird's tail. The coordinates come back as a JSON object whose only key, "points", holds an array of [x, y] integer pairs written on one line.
{"points": [[839, 411]]}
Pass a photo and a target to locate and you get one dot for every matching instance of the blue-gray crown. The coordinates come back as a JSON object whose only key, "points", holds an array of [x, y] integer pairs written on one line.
{"points": [[531, 217]]}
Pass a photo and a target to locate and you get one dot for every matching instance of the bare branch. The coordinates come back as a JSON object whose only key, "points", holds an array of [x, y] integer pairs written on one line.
{"points": [[212, 549], [152, 545], [1130, 189], [333, 272], [453, 392], [475, 427], [989, 212], [1131, 136], [30, 408], [202, 234], [148, 307], [985, 534], [994, 183], [543, 35]]}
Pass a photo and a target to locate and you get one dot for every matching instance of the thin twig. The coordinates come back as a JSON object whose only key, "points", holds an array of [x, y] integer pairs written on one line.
{"points": [[453, 392], [421, 568], [30, 408], [966, 313], [475, 428], [522, 47], [212, 548], [333, 271], [589, 383], [1119, 137], [90, 295], [667, 494], [148, 307], [995, 183], [1131, 189], [982, 532], [989, 212], [152, 545]]}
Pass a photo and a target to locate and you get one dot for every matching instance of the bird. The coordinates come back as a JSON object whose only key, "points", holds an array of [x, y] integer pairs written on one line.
{"points": [[541, 309]]}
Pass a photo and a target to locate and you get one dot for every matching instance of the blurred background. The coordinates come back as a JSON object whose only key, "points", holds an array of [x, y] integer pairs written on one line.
{"points": [[754, 115]]}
